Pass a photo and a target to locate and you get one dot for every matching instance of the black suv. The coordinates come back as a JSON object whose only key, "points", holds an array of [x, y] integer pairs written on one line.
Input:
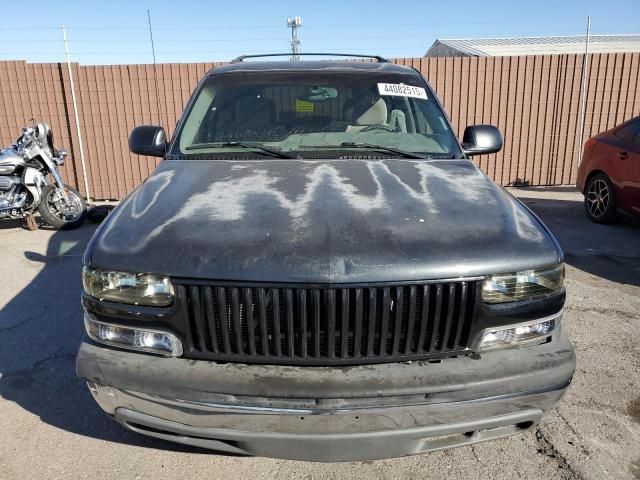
{"points": [[317, 271]]}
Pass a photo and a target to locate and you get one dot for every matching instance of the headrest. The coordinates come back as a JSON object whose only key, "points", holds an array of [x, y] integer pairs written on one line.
{"points": [[374, 115], [254, 111]]}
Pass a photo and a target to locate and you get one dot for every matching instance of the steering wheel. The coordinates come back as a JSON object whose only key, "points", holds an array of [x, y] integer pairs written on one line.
{"points": [[378, 127]]}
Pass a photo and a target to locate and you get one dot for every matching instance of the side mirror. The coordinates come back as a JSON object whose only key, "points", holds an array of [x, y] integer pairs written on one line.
{"points": [[148, 140], [59, 156], [481, 139]]}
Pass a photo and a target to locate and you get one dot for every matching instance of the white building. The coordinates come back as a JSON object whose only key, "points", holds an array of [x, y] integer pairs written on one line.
{"points": [[503, 47]]}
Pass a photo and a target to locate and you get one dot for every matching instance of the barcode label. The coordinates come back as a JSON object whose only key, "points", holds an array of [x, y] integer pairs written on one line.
{"points": [[401, 90]]}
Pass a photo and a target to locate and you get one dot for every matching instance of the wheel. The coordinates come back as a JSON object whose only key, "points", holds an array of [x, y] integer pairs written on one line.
{"points": [[600, 200], [61, 214]]}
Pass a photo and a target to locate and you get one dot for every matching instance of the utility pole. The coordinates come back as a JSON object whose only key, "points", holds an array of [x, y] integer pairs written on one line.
{"points": [[75, 115], [296, 45], [583, 92]]}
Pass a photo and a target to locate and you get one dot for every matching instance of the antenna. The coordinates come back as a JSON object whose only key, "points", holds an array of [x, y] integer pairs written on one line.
{"points": [[296, 44], [155, 66]]}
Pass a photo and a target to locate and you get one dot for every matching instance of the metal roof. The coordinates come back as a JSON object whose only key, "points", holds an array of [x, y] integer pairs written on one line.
{"points": [[500, 47]]}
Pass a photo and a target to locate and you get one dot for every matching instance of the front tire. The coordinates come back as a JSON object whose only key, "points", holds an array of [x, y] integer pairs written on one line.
{"points": [[600, 200], [59, 214]]}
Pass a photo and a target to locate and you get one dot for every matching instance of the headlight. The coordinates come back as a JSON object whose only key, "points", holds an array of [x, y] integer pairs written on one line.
{"points": [[525, 285], [132, 288], [516, 335], [133, 338]]}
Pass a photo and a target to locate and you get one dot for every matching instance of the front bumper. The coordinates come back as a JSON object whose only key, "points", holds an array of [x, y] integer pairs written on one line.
{"points": [[330, 413]]}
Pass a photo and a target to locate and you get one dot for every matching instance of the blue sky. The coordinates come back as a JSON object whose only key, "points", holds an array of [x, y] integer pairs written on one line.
{"points": [[185, 30]]}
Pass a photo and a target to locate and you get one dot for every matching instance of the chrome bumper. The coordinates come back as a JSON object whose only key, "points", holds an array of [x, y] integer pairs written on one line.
{"points": [[326, 435]]}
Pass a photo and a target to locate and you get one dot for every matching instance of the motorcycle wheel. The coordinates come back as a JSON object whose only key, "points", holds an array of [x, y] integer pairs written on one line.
{"points": [[59, 214]]}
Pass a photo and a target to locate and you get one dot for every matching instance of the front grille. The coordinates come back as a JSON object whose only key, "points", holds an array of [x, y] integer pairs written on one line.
{"points": [[326, 326]]}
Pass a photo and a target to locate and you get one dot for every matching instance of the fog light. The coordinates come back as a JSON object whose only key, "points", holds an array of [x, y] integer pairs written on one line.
{"points": [[517, 335], [133, 338]]}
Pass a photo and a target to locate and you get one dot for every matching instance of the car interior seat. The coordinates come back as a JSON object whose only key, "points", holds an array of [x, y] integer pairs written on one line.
{"points": [[398, 121], [255, 112], [376, 114], [249, 119]]}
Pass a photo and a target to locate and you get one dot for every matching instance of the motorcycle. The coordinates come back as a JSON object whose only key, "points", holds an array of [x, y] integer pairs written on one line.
{"points": [[30, 180]]}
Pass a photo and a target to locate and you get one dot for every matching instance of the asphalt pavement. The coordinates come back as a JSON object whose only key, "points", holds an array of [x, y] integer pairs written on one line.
{"points": [[50, 427]]}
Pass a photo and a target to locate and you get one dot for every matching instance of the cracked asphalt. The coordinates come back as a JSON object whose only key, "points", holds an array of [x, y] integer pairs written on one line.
{"points": [[50, 427]]}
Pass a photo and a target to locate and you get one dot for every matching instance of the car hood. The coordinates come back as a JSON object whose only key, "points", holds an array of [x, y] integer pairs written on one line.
{"points": [[321, 221]]}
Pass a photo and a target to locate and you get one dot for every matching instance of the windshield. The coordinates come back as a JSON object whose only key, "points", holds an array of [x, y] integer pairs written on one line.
{"points": [[303, 112]]}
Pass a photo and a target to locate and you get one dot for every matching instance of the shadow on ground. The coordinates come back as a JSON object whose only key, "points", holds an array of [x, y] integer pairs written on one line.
{"points": [[611, 252], [40, 331], [41, 327]]}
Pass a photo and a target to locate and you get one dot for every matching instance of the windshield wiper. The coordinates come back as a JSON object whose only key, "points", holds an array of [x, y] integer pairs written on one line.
{"points": [[255, 146], [373, 146], [384, 148]]}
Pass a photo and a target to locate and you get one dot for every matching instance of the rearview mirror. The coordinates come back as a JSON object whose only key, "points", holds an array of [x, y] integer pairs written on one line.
{"points": [[481, 139], [148, 140], [320, 94]]}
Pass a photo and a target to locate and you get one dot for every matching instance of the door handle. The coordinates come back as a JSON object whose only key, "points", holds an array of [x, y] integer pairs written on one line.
{"points": [[623, 155]]}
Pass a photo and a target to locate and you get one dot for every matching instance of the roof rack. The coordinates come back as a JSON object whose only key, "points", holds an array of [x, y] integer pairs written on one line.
{"points": [[289, 54]]}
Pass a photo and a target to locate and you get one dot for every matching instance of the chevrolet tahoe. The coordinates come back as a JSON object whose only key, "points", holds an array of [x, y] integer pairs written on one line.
{"points": [[317, 270]]}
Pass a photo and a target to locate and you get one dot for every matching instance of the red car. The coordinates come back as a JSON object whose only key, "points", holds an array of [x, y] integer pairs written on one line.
{"points": [[609, 175]]}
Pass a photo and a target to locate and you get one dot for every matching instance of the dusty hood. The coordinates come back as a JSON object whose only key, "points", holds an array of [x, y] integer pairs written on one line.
{"points": [[314, 221]]}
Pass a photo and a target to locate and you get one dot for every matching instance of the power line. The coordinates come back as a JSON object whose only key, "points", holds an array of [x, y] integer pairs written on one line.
{"points": [[253, 39], [333, 26]]}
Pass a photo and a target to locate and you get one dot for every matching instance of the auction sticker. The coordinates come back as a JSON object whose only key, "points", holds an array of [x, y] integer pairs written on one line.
{"points": [[401, 90], [304, 106]]}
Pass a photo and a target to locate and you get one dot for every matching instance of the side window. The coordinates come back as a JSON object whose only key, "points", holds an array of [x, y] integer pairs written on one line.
{"points": [[629, 132]]}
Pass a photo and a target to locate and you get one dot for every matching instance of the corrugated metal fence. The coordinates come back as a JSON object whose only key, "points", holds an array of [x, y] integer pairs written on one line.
{"points": [[534, 100]]}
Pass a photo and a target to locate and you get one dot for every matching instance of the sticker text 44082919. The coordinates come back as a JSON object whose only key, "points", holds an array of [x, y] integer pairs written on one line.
{"points": [[401, 90]]}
